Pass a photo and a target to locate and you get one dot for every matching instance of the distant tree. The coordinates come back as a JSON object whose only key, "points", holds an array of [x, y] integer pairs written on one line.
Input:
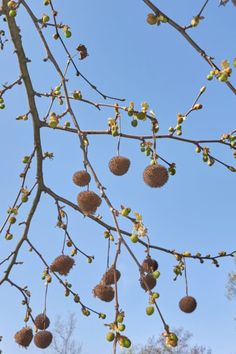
{"points": [[158, 346], [231, 286], [63, 339]]}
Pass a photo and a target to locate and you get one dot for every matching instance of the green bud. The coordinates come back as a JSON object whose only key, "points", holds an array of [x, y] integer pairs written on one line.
{"points": [[8, 236], [120, 318], [156, 274], [12, 13], [155, 295], [121, 327], [76, 298], [12, 220], [102, 316], [209, 77], [198, 149], [45, 18], [150, 310], [110, 336], [134, 238], [134, 123], [24, 198], [141, 115]]}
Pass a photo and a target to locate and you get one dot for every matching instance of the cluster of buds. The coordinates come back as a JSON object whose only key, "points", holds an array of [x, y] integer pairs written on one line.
{"points": [[112, 123], [12, 5], [108, 235], [141, 115], [231, 139], [171, 339], [178, 269], [12, 217], [153, 19], [196, 20], [152, 299], [67, 32], [22, 117], [25, 195], [139, 230], [53, 120], [57, 91], [146, 147], [206, 158], [68, 286], [77, 95], [46, 276], [221, 75], [45, 19], [115, 329], [125, 211], [48, 155]]}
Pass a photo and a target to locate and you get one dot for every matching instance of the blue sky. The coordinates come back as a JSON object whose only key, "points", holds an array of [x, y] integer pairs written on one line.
{"points": [[194, 211]]}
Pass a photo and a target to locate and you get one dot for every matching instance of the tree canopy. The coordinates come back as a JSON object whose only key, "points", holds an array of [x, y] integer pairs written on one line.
{"points": [[118, 146]]}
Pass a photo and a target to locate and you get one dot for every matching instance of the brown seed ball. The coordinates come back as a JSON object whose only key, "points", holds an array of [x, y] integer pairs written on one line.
{"points": [[62, 264], [88, 202], [43, 339], [149, 265], [104, 292], [24, 337], [149, 280], [42, 321], [155, 176], [81, 178], [119, 165], [188, 304], [109, 277]]}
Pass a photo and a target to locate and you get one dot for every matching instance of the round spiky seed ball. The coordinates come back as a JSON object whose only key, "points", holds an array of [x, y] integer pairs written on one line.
{"points": [[62, 264], [24, 337], [188, 304], [88, 202], [119, 165], [104, 292], [109, 277], [81, 178], [43, 339], [155, 175], [149, 265], [42, 321], [149, 280]]}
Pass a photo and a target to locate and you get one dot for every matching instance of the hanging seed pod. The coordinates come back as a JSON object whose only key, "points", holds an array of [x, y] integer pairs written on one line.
{"points": [[62, 264], [43, 339], [81, 178], [188, 304], [119, 165], [147, 282], [24, 337], [109, 277], [42, 321], [155, 176], [104, 292], [88, 202], [149, 265]]}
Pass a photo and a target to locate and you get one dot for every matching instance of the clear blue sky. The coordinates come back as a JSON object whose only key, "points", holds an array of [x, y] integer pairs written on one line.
{"points": [[195, 211]]}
